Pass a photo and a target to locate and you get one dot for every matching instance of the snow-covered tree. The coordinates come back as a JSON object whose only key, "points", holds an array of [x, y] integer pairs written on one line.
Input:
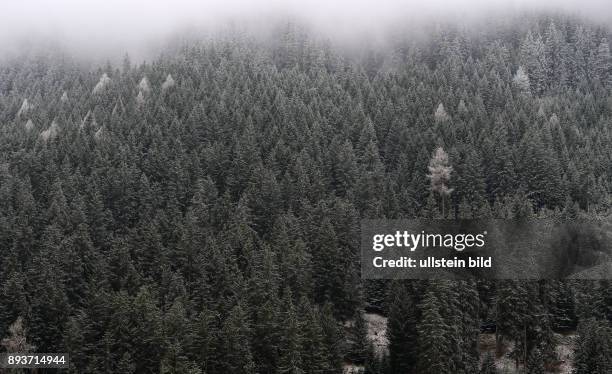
{"points": [[29, 125], [440, 114], [100, 134], [488, 365], [432, 339], [17, 341], [144, 85], [25, 108], [521, 81], [140, 100], [535, 362], [102, 83], [51, 132], [593, 348], [603, 63], [533, 57], [168, 83], [440, 174], [462, 108], [554, 47]]}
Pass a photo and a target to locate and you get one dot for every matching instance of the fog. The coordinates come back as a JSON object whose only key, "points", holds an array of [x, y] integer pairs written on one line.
{"points": [[103, 27]]}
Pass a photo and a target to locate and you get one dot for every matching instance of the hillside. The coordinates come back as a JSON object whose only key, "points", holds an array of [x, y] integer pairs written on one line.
{"points": [[200, 212]]}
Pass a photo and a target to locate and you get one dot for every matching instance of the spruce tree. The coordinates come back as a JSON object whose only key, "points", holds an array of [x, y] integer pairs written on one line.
{"points": [[433, 344], [488, 365], [439, 175]]}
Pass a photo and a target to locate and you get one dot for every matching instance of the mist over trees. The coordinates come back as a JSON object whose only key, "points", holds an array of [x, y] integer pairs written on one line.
{"points": [[199, 213]]}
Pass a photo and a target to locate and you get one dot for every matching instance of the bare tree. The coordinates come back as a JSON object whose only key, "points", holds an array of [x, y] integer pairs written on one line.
{"points": [[17, 340], [440, 174], [521, 81]]}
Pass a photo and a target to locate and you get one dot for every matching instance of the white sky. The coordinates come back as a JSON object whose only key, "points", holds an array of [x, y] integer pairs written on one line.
{"points": [[124, 24]]}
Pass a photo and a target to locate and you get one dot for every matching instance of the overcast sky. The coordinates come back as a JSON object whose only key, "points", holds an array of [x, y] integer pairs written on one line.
{"points": [[90, 25]]}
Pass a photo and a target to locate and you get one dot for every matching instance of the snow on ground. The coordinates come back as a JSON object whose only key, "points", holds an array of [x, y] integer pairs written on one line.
{"points": [[506, 365], [377, 332], [565, 352], [353, 369]]}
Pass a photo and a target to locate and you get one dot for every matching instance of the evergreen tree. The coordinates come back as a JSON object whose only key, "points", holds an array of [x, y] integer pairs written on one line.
{"points": [[535, 362], [156, 218], [439, 175], [521, 81], [17, 341], [402, 329], [593, 348], [234, 351], [603, 62], [434, 347], [290, 360], [488, 365]]}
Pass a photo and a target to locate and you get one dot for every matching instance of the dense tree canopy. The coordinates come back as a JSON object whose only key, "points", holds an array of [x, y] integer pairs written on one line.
{"points": [[199, 213]]}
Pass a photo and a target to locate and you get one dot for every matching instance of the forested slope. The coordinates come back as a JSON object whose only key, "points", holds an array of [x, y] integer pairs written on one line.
{"points": [[199, 213]]}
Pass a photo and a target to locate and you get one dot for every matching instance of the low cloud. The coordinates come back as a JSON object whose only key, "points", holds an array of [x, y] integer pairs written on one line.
{"points": [[97, 27]]}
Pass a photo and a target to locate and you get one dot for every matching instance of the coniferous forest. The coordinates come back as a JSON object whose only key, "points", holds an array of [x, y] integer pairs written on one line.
{"points": [[199, 212]]}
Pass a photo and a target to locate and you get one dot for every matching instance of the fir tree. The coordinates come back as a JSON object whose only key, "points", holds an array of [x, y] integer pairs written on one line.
{"points": [[434, 347], [440, 174], [488, 365]]}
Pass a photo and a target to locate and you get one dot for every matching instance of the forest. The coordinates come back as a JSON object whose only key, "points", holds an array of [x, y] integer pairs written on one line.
{"points": [[199, 212]]}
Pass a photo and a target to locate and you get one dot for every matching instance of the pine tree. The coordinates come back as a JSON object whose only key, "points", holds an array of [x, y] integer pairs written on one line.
{"points": [[234, 351], [535, 362], [360, 341], [370, 182], [17, 341], [402, 329], [315, 357], [290, 360], [333, 339], [432, 339], [593, 348], [126, 365], [440, 174], [488, 365], [603, 63], [263, 300], [533, 58], [147, 328], [554, 44], [521, 81], [470, 184], [440, 114], [151, 224]]}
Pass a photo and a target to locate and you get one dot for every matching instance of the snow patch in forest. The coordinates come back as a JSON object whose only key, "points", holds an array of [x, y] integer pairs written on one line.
{"points": [[377, 332], [353, 369], [506, 365], [565, 352]]}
